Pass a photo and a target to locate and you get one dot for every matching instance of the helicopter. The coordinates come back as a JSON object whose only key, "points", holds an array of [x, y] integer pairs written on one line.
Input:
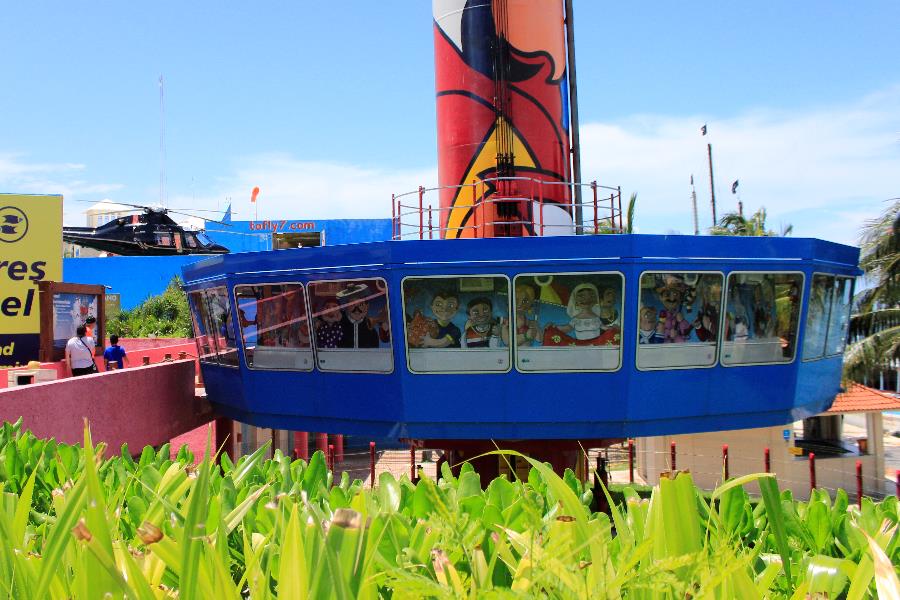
{"points": [[151, 232]]}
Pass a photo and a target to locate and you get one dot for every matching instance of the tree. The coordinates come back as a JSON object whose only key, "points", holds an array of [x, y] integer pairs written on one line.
{"points": [[875, 328], [754, 226], [164, 315]]}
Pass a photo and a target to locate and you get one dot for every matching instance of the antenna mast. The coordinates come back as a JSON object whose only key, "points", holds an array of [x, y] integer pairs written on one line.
{"points": [[162, 142]]}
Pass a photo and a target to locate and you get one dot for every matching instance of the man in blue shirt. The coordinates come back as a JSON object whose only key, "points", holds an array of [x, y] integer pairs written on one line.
{"points": [[115, 353]]}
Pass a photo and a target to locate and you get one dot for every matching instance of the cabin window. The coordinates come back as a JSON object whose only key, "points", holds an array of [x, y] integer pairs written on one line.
{"points": [[221, 327], [839, 323], [163, 239], [200, 319], [679, 316], [762, 316], [274, 326], [457, 324], [190, 240], [351, 325], [568, 321], [818, 314]]}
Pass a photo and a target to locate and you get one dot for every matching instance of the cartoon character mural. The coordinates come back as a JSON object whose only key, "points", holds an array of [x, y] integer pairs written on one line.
{"points": [[502, 111]]}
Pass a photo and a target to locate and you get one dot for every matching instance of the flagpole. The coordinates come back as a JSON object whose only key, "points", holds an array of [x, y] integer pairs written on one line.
{"points": [[694, 204], [712, 185]]}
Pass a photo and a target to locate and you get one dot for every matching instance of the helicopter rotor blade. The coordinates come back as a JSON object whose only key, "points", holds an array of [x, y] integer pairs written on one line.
{"points": [[204, 218]]}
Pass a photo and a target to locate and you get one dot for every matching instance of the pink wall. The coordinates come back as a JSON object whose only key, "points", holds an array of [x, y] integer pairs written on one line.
{"points": [[141, 406]]}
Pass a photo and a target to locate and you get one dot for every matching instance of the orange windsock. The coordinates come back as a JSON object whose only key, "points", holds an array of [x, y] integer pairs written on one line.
{"points": [[254, 194]]}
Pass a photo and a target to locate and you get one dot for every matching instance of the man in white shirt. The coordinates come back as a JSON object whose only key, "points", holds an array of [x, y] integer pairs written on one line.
{"points": [[80, 353]]}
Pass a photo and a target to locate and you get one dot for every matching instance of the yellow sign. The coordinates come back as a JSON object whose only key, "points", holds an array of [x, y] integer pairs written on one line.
{"points": [[796, 451], [30, 251]]}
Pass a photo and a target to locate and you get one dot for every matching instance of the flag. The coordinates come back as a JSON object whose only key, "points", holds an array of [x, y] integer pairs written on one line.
{"points": [[703, 130], [692, 179], [734, 187], [254, 194]]}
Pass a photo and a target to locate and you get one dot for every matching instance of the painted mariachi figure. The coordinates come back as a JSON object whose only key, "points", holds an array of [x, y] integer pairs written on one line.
{"points": [[672, 324], [706, 324]]}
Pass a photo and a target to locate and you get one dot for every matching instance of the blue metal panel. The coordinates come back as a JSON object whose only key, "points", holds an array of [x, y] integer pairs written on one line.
{"points": [[517, 405], [120, 274]]}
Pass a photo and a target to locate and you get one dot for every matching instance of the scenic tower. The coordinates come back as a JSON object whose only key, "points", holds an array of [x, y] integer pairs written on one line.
{"points": [[502, 118]]}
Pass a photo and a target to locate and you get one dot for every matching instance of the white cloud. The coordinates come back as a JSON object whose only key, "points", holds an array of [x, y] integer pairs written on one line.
{"points": [[293, 188], [825, 170], [19, 176]]}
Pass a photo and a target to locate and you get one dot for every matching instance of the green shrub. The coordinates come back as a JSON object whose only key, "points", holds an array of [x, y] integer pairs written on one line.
{"points": [[164, 315]]}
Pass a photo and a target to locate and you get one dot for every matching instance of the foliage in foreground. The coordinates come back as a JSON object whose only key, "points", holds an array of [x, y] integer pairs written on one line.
{"points": [[76, 525], [163, 315]]}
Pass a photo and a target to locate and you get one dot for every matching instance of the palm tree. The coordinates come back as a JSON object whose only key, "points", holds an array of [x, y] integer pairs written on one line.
{"points": [[754, 226], [875, 328]]}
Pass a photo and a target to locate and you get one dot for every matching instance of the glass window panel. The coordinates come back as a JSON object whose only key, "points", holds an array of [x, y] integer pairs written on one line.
{"points": [[818, 311], [678, 319], [762, 314], [352, 327], [568, 321], [274, 326], [457, 324], [840, 316], [206, 348], [221, 327]]}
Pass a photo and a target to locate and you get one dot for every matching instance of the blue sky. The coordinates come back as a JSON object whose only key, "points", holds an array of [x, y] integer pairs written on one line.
{"points": [[329, 107]]}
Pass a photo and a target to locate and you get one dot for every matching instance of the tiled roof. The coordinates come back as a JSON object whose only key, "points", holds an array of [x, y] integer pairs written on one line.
{"points": [[859, 398]]}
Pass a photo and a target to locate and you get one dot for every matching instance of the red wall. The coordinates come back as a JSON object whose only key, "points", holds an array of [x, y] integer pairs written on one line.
{"points": [[141, 406]]}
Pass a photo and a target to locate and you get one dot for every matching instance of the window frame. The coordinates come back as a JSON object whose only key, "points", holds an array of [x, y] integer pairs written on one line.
{"points": [[406, 348], [210, 359], [719, 340], [243, 348], [852, 280], [310, 317], [622, 290], [229, 297], [725, 312], [812, 281]]}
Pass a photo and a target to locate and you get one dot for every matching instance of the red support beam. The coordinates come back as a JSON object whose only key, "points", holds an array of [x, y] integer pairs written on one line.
{"points": [[672, 451], [301, 445], [768, 464], [724, 462], [631, 461], [812, 471], [372, 465]]}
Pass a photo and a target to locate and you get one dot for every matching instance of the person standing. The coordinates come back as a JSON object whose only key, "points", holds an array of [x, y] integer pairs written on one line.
{"points": [[80, 353], [115, 353]]}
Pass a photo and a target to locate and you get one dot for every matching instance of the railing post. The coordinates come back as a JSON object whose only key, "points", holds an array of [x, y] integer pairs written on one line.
{"points": [[619, 192], [399, 220], [412, 462], [541, 204], [372, 464], [859, 483], [474, 210], [393, 216], [630, 460], [672, 449], [767, 463], [897, 483], [596, 206], [430, 227], [724, 463], [812, 471], [421, 213]]}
